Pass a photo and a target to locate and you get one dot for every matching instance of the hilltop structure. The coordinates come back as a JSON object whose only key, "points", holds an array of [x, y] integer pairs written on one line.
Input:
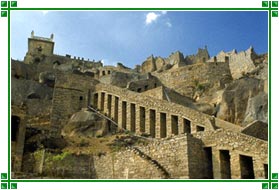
{"points": [[177, 117]]}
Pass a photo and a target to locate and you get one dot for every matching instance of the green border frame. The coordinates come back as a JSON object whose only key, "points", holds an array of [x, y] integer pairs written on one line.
{"points": [[270, 6]]}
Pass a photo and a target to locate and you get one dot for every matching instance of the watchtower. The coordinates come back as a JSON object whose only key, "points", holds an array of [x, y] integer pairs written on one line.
{"points": [[37, 47]]}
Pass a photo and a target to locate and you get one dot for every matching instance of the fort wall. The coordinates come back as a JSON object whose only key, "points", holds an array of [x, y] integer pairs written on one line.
{"points": [[213, 154], [240, 63], [159, 118], [157, 159], [237, 145], [191, 75], [69, 96]]}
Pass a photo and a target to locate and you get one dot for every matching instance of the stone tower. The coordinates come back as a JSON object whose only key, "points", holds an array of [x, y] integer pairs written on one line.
{"points": [[38, 47]]}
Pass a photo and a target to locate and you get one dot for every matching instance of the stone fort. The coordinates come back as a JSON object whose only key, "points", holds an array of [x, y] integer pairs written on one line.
{"points": [[180, 117]]}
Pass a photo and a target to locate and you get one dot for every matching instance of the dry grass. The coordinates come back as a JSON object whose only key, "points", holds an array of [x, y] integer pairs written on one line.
{"points": [[95, 146]]}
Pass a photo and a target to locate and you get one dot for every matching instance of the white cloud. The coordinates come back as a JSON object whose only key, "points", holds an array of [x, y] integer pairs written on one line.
{"points": [[107, 62], [151, 17], [168, 24]]}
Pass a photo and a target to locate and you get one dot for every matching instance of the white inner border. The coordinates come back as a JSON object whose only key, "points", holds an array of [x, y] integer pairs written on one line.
{"points": [[136, 4]]}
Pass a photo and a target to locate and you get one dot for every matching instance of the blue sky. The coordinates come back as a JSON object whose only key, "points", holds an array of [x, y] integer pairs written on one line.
{"points": [[131, 36]]}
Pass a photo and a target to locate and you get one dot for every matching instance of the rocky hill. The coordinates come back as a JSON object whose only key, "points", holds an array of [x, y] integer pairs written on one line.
{"points": [[71, 116]]}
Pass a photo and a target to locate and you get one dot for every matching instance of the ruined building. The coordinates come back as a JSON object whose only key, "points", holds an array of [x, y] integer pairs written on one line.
{"points": [[179, 117]]}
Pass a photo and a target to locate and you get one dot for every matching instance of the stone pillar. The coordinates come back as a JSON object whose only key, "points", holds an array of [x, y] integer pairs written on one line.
{"points": [[169, 126], [216, 163], [193, 127], [106, 111], [157, 125], [115, 109], [128, 116], [138, 119], [112, 108], [102, 102], [99, 100], [147, 121], [109, 105], [142, 119], [120, 111], [180, 125], [258, 168], [235, 165]]}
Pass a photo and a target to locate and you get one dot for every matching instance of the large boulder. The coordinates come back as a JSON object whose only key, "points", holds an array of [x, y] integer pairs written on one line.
{"points": [[88, 124], [241, 63], [257, 109], [243, 101]]}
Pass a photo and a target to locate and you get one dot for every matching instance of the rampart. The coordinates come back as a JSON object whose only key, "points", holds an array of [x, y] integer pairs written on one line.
{"points": [[144, 114], [69, 96], [191, 75], [179, 157], [240, 63], [216, 154], [242, 151]]}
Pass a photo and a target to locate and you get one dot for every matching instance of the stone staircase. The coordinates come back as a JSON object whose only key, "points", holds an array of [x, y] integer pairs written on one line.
{"points": [[136, 150], [101, 115], [153, 162]]}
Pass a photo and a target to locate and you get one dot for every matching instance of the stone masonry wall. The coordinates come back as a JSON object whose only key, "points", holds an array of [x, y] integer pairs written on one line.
{"points": [[182, 157], [257, 129], [163, 93], [124, 165], [184, 79], [237, 144], [156, 93], [173, 155], [46, 46], [239, 63], [69, 96], [156, 160], [143, 85], [149, 103]]}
